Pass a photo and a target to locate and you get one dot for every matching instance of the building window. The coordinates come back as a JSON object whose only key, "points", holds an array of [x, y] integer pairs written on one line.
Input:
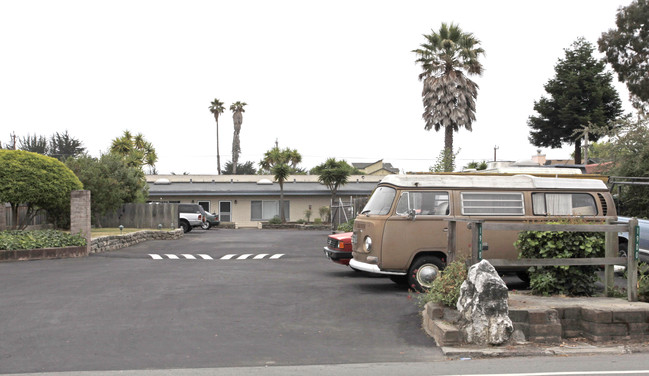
{"points": [[266, 210], [496, 203], [205, 205]]}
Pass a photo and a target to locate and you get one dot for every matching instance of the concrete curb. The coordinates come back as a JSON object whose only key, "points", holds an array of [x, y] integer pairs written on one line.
{"points": [[528, 349]]}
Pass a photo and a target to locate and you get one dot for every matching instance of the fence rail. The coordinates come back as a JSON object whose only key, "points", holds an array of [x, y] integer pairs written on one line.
{"points": [[39, 220], [611, 258]]}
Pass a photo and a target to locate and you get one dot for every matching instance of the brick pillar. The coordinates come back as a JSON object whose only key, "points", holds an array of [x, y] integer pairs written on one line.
{"points": [[80, 215]]}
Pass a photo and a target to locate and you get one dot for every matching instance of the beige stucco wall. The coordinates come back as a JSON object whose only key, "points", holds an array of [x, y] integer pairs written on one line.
{"points": [[241, 210]]}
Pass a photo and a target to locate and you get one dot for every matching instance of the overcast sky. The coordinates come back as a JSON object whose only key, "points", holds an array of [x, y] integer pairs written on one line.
{"points": [[328, 78]]}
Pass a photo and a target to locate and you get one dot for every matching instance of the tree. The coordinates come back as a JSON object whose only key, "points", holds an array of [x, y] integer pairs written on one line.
{"points": [[280, 164], [446, 58], [237, 119], [62, 146], [247, 168], [110, 181], [35, 144], [629, 150], [627, 50], [38, 181], [580, 94], [216, 108], [333, 174], [136, 151]]}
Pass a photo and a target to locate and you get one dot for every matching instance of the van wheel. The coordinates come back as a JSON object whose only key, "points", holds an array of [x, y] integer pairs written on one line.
{"points": [[185, 226], [423, 271]]}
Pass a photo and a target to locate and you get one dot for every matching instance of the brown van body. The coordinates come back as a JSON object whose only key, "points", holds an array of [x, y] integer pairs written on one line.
{"points": [[401, 234]]}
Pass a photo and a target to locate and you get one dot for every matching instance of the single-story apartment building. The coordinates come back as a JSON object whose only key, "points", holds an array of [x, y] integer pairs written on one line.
{"points": [[247, 200]]}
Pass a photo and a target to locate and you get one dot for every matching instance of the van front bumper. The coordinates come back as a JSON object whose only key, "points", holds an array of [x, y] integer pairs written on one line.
{"points": [[371, 268]]}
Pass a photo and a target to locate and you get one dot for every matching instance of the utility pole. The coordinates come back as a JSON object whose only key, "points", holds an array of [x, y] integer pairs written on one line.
{"points": [[495, 148]]}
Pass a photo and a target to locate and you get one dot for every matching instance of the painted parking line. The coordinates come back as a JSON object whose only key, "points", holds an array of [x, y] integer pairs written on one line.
{"points": [[202, 256]]}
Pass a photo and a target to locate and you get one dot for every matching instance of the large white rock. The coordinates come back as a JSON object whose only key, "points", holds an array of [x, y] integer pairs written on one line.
{"points": [[484, 313]]}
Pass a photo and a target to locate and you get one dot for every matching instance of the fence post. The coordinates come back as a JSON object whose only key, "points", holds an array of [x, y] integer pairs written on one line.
{"points": [[476, 242], [633, 253], [610, 250], [452, 241], [3, 216]]}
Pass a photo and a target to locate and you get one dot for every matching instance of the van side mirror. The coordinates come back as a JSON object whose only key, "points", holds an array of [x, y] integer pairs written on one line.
{"points": [[412, 214]]}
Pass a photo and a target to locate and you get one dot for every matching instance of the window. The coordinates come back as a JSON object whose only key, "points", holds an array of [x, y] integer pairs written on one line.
{"points": [[492, 203], [266, 210], [205, 205], [380, 202], [563, 204], [424, 203]]}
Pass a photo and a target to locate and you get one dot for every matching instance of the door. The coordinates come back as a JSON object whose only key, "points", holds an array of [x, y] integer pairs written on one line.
{"points": [[418, 225], [225, 211]]}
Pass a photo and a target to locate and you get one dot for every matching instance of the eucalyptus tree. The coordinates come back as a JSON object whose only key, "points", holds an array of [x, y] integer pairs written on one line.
{"points": [[280, 164], [237, 118], [447, 58], [217, 108]]}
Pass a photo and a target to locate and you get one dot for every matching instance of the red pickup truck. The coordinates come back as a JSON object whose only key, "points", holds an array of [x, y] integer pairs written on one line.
{"points": [[339, 248]]}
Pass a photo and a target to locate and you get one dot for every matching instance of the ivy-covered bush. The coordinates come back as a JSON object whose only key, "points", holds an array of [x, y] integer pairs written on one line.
{"points": [[563, 280], [446, 288], [15, 239]]}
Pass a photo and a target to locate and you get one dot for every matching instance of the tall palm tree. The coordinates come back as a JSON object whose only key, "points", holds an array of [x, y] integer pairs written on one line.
{"points": [[281, 163], [216, 107], [237, 119], [449, 95]]}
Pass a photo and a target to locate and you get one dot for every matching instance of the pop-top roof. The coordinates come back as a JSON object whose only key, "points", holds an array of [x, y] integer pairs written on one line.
{"points": [[504, 182]]}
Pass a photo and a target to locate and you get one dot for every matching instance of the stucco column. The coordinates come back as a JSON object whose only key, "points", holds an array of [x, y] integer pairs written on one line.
{"points": [[80, 215]]}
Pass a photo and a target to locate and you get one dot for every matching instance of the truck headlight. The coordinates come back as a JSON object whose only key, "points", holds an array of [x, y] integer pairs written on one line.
{"points": [[368, 243]]}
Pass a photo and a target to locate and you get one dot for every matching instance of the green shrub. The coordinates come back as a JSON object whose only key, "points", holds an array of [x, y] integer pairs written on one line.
{"points": [[347, 226], [562, 280], [643, 282], [276, 220], [13, 240], [446, 288], [317, 221]]}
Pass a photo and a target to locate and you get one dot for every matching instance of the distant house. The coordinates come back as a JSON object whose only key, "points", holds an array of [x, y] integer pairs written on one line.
{"points": [[246, 200], [376, 168]]}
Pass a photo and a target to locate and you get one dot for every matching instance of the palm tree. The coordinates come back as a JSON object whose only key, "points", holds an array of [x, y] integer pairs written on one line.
{"points": [[216, 107], [281, 163], [448, 94], [237, 119]]}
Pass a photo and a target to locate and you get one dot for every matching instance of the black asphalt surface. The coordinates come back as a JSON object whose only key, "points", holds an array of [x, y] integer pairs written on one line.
{"points": [[127, 310]]}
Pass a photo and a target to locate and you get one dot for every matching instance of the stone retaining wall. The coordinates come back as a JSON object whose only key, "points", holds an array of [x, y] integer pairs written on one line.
{"points": [[114, 242], [97, 245], [42, 253], [628, 322]]}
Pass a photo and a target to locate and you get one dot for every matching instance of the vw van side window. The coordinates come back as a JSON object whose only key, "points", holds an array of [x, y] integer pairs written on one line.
{"points": [[492, 203], [423, 203], [380, 202], [564, 204]]}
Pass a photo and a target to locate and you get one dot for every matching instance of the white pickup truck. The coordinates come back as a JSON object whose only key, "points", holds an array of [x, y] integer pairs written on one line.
{"points": [[190, 216]]}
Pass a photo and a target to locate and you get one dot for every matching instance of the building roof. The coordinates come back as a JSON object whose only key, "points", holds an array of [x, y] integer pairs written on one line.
{"points": [[253, 185]]}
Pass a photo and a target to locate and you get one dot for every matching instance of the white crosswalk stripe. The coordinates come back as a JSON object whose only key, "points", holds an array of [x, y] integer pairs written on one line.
{"points": [[232, 256]]}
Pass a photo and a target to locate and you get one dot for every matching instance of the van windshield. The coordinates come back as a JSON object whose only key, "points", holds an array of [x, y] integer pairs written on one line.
{"points": [[380, 202]]}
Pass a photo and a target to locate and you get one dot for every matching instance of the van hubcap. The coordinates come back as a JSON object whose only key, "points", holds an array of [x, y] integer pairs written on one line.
{"points": [[426, 274]]}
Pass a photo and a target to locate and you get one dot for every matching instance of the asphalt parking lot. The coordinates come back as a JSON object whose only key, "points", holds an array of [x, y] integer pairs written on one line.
{"points": [[216, 298]]}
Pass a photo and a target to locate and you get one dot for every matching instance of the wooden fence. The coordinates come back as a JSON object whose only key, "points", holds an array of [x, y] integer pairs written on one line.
{"points": [[7, 220], [611, 256]]}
